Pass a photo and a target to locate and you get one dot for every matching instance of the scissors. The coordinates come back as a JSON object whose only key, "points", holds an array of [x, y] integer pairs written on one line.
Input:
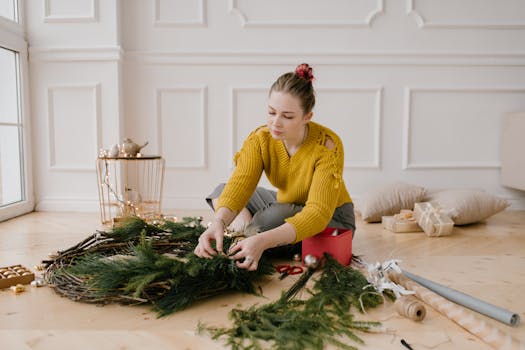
{"points": [[286, 270]]}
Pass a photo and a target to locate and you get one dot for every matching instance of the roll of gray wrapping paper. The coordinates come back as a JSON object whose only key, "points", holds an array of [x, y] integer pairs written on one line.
{"points": [[493, 311]]}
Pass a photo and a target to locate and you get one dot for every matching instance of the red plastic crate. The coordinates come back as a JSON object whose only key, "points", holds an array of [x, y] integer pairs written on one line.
{"points": [[339, 246]]}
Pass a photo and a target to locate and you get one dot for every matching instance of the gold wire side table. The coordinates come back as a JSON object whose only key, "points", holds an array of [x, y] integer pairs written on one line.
{"points": [[130, 186]]}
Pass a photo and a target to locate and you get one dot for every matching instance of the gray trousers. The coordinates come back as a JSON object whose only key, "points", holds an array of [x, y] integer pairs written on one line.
{"points": [[267, 213]]}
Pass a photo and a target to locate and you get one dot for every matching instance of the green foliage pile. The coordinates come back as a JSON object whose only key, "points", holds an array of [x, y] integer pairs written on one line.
{"points": [[323, 318]]}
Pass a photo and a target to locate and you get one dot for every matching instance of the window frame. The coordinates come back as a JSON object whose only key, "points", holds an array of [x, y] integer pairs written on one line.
{"points": [[13, 37]]}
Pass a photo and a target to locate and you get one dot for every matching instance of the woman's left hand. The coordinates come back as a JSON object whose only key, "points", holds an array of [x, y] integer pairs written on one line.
{"points": [[247, 252]]}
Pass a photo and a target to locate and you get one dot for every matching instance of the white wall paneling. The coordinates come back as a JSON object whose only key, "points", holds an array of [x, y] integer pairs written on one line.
{"points": [[70, 11], [181, 126], [415, 88], [75, 54], [75, 111], [76, 104], [339, 13], [77, 24], [482, 14], [180, 13], [74, 126], [323, 28], [456, 127]]}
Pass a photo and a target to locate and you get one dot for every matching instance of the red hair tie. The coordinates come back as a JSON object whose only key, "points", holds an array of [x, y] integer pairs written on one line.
{"points": [[305, 71]]}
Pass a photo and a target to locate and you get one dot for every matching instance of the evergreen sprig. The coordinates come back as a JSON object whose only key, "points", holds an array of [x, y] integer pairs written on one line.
{"points": [[133, 227], [207, 277], [342, 287], [323, 318], [129, 273]]}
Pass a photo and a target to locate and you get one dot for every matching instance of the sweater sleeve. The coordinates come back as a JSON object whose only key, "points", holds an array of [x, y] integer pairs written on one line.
{"points": [[242, 183], [323, 194]]}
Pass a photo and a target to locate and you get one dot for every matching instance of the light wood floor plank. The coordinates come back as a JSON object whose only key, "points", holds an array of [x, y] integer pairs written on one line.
{"points": [[485, 260]]}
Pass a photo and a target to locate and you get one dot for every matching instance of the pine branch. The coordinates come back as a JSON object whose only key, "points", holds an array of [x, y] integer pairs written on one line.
{"points": [[290, 323], [132, 227], [207, 277]]}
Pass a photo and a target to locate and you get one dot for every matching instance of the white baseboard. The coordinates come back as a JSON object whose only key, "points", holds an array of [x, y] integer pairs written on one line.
{"points": [[67, 204], [174, 203], [516, 204], [169, 204]]}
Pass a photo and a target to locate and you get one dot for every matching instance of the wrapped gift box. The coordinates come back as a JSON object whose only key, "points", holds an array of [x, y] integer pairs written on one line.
{"points": [[336, 241], [432, 220], [402, 222]]}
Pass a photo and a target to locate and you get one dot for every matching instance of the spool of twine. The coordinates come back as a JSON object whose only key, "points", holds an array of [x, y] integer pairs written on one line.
{"points": [[410, 307]]}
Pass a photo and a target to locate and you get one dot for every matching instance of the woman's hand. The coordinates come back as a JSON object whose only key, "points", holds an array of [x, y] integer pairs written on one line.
{"points": [[214, 233], [247, 252]]}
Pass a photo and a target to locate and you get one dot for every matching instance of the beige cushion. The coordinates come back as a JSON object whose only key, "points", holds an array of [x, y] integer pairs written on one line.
{"points": [[389, 199], [467, 206]]}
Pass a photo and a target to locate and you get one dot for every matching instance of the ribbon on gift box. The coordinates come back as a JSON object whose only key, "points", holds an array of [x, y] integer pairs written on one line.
{"points": [[429, 216], [433, 220]]}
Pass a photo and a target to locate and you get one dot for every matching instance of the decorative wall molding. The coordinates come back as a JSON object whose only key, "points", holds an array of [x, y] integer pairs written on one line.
{"points": [[409, 91], [424, 23], [91, 16], [325, 58], [116, 53], [233, 8], [96, 133], [372, 164], [202, 91], [201, 21], [75, 54]]}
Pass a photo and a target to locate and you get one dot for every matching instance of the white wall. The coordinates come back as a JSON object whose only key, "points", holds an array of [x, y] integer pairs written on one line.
{"points": [[415, 88], [76, 97]]}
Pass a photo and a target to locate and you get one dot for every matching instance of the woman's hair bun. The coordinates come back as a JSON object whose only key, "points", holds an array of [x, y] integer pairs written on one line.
{"points": [[305, 71]]}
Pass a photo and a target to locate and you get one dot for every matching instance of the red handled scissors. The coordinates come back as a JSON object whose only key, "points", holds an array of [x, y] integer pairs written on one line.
{"points": [[286, 270]]}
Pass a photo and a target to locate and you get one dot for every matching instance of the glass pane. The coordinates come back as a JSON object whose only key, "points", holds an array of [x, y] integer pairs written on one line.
{"points": [[8, 86], [10, 165], [8, 9]]}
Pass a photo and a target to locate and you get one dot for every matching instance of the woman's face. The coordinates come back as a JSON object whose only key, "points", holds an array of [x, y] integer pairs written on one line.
{"points": [[286, 119]]}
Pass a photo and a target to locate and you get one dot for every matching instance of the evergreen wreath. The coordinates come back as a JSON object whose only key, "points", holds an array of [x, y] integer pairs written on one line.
{"points": [[140, 263]]}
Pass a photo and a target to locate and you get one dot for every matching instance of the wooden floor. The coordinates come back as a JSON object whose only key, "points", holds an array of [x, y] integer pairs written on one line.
{"points": [[485, 260]]}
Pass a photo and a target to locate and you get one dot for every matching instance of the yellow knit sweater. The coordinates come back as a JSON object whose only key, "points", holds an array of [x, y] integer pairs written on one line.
{"points": [[311, 177]]}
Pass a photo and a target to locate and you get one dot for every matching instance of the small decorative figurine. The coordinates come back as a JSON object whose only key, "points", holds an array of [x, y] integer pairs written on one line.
{"points": [[128, 148]]}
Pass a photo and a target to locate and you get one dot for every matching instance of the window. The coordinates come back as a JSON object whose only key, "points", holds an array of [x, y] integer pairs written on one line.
{"points": [[15, 183], [8, 9], [10, 130]]}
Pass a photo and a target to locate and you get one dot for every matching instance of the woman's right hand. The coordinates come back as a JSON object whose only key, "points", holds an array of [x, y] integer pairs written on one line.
{"points": [[213, 233]]}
